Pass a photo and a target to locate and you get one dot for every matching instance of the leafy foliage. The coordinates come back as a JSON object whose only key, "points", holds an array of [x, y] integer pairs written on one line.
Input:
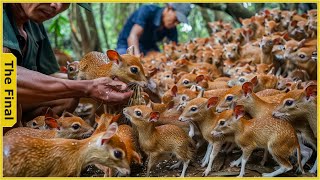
{"points": [[115, 15]]}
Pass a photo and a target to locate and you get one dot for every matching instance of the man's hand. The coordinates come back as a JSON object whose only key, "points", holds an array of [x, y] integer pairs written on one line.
{"points": [[109, 91]]}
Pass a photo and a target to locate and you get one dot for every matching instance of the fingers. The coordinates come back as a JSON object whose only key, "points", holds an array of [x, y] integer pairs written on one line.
{"points": [[108, 91], [117, 97], [115, 84], [118, 85]]}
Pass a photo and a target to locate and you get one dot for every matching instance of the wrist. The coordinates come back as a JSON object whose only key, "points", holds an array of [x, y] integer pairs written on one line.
{"points": [[79, 88]]}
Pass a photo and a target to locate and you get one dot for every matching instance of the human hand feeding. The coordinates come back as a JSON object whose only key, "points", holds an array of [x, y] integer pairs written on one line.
{"points": [[109, 91]]}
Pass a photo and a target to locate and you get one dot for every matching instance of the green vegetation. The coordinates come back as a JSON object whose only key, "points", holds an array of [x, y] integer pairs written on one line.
{"points": [[69, 30]]}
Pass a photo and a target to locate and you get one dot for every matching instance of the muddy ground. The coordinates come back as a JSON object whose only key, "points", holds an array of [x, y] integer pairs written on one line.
{"points": [[220, 167]]}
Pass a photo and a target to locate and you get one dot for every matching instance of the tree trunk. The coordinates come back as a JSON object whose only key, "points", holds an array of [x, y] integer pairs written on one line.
{"points": [[85, 40], [117, 16], [75, 36], [313, 5], [219, 15], [206, 18], [93, 33], [294, 6], [103, 25], [258, 6], [284, 6], [235, 10], [84, 32]]}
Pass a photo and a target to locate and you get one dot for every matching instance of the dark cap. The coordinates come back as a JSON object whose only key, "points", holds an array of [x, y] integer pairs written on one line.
{"points": [[182, 11], [85, 6]]}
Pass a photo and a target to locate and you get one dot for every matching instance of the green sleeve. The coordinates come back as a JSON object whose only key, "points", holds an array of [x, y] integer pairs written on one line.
{"points": [[9, 38], [46, 59]]}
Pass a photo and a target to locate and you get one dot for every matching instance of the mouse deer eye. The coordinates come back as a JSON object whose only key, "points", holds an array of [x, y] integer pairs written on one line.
{"points": [[134, 70], [302, 56], [34, 124], [194, 109], [289, 102], [229, 98], [314, 53], [138, 113], [75, 126], [185, 82], [221, 123], [118, 154]]}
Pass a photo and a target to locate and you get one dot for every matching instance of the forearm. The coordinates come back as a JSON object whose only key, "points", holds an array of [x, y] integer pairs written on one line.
{"points": [[36, 87], [60, 75], [134, 37], [134, 40]]}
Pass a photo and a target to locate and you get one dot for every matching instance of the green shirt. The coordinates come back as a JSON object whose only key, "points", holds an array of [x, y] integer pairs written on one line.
{"points": [[38, 55]]}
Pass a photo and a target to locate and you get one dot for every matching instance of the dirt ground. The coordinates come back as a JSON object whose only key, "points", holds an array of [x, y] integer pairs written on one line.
{"points": [[220, 167]]}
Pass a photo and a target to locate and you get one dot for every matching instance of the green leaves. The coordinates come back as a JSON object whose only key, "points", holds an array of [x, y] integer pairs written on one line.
{"points": [[57, 24]]}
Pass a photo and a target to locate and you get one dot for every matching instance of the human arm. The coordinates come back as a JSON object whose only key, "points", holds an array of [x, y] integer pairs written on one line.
{"points": [[134, 37], [60, 75], [142, 19], [33, 87], [6, 50]]}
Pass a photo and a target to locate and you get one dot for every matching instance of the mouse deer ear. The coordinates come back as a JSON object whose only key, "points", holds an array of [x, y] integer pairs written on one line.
{"points": [[267, 12], [294, 23], [240, 19], [111, 131], [48, 112], [311, 90], [254, 81], [150, 104], [286, 37], [193, 71], [130, 50], [114, 56], [199, 78], [247, 88], [51, 122], [239, 111], [174, 91], [154, 116], [213, 101], [115, 118], [66, 114]]}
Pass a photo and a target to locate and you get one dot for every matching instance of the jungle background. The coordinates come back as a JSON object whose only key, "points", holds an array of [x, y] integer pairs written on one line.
{"points": [[77, 31]]}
